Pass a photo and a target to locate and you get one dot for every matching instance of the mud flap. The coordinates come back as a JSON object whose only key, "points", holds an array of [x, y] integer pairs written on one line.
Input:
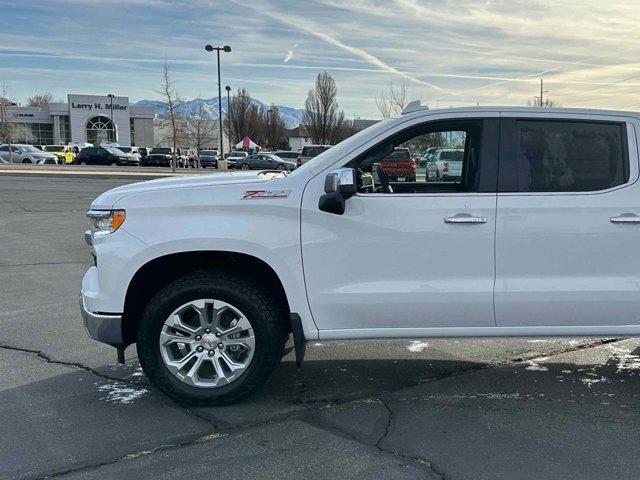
{"points": [[120, 354], [299, 342]]}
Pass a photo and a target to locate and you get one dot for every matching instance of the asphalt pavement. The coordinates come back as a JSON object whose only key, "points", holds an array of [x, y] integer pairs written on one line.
{"points": [[448, 409]]}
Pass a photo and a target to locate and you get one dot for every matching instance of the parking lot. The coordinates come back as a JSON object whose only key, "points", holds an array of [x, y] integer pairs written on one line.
{"points": [[431, 408]]}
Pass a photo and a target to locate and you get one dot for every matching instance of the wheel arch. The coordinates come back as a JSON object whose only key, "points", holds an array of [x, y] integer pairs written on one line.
{"points": [[154, 275]]}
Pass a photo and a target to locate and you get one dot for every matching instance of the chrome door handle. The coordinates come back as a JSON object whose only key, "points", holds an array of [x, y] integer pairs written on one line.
{"points": [[465, 218], [626, 218]]}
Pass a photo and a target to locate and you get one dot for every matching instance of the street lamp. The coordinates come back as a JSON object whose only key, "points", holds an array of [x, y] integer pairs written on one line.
{"points": [[228, 89], [113, 125], [226, 48]]}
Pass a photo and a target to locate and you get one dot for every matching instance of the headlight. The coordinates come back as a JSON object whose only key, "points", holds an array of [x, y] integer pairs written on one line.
{"points": [[103, 222]]}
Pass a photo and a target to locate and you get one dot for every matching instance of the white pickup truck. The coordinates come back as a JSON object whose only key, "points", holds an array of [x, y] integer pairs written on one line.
{"points": [[209, 275]]}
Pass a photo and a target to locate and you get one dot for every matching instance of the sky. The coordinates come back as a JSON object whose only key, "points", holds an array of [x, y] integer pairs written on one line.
{"points": [[446, 52]]}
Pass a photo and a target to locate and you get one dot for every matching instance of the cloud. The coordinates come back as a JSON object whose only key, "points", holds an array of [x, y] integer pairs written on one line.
{"points": [[313, 29]]}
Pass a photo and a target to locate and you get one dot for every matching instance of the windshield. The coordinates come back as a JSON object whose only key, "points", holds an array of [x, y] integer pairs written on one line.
{"points": [[114, 151], [30, 148], [166, 151], [400, 155], [124, 149], [455, 156]]}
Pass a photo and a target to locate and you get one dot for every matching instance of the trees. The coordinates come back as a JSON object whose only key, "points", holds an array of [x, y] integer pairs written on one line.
{"points": [[6, 126], [171, 120], [273, 128], [323, 119], [244, 116], [40, 100], [393, 99]]}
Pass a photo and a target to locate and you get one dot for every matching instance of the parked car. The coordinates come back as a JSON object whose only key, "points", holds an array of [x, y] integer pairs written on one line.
{"points": [[265, 161], [134, 152], [234, 157], [311, 151], [101, 156], [287, 154], [57, 150], [143, 151], [448, 163], [399, 165], [158, 157], [209, 158], [539, 238], [22, 153]]}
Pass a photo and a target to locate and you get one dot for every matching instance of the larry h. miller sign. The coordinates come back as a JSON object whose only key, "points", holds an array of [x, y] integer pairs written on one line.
{"points": [[91, 117]]}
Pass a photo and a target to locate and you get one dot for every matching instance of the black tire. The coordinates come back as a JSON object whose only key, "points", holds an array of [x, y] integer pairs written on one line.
{"points": [[244, 167], [26, 160], [266, 318], [280, 167]]}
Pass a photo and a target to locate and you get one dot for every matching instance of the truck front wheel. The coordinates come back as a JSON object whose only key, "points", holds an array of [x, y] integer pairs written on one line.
{"points": [[210, 338]]}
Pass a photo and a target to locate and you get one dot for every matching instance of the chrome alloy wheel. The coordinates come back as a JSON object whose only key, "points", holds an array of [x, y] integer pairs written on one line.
{"points": [[207, 343]]}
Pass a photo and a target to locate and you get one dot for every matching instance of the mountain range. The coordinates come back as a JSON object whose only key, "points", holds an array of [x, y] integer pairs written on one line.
{"points": [[292, 116]]}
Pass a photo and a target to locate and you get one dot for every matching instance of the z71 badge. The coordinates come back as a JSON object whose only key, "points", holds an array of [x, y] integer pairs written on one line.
{"points": [[268, 194]]}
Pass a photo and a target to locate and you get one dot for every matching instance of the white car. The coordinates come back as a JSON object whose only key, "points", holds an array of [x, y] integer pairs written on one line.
{"points": [[22, 153], [540, 238], [448, 163], [234, 157]]}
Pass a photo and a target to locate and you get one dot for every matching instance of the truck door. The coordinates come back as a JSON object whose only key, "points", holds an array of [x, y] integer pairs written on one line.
{"points": [[412, 260], [568, 223]]}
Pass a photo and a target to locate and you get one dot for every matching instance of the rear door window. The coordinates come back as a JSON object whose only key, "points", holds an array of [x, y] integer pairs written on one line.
{"points": [[565, 156]]}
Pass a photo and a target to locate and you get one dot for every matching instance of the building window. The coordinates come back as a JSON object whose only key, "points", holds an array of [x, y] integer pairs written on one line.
{"points": [[100, 129], [33, 133], [65, 129], [132, 128]]}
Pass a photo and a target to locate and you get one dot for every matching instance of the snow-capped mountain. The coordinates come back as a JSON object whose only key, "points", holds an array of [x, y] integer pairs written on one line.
{"points": [[292, 116]]}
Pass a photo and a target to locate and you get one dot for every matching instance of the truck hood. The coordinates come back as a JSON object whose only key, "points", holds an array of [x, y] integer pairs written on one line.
{"points": [[110, 197]]}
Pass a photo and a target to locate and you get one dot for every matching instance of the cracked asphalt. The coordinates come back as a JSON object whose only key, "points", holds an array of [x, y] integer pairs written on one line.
{"points": [[435, 409]]}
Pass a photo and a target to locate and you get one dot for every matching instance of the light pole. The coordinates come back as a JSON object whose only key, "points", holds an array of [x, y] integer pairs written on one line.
{"points": [[226, 48], [113, 125], [228, 89]]}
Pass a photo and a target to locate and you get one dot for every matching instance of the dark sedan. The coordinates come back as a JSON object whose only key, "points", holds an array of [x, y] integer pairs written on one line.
{"points": [[101, 156], [265, 161], [157, 157]]}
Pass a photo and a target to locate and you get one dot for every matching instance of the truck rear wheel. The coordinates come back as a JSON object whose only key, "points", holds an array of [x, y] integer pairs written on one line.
{"points": [[210, 338]]}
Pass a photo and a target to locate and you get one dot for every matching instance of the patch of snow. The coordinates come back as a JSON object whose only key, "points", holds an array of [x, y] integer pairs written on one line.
{"points": [[317, 344], [417, 346], [534, 366], [121, 393], [590, 381], [138, 372]]}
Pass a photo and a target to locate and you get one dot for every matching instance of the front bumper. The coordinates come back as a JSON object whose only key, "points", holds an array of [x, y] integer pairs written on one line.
{"points": [[105, 328]]}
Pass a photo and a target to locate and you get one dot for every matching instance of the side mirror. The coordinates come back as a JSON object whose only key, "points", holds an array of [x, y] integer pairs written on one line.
{"points": [[342, 181], [339, 185]]}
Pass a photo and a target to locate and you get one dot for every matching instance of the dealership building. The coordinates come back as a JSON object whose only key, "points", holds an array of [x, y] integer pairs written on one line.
{"points": [[84, 118]]}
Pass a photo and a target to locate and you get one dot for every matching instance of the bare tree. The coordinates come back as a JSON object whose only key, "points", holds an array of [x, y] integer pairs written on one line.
{"points": [[203, 131], [273, 127], [6, 126], [393, 99], [40, 100], [322, 117], [171, 118], [547, 102], [244, 118]]}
